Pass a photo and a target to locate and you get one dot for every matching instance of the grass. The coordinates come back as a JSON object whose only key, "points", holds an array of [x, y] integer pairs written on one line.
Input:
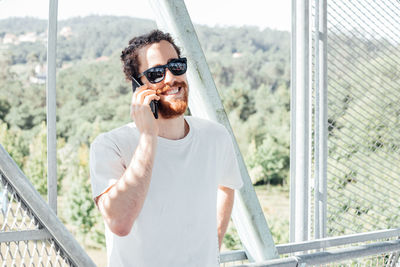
{"points": [[274, 201]]}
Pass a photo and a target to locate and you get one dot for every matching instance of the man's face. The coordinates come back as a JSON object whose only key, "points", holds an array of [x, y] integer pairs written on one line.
{"points": [[173, 90]]}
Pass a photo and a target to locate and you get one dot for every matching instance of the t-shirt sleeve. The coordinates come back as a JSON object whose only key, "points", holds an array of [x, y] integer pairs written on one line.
{"points": [[106, 165], [230, 175]]}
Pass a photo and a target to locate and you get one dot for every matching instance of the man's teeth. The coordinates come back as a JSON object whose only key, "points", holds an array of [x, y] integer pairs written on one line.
{"points": [[172, 92]]}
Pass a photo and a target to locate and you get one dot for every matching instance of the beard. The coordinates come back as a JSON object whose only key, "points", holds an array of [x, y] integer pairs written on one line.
{"points": [[176, 106]]}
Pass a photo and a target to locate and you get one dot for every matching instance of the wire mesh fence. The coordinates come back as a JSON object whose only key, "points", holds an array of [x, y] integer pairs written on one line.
{"points": [[376, 260], [26, 249], [363, 113], [14, 215], [367, 249], [31, 253], [380, 259]]}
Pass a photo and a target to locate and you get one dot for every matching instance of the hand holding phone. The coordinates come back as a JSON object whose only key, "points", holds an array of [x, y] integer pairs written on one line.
{"points": [[153, 103]]}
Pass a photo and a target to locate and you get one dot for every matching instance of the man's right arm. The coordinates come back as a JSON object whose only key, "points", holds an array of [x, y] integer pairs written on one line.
{"points": [[122, 202]]}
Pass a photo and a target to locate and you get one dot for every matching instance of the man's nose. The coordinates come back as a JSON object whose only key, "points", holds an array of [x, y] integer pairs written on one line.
{"points": [[169, 77]]}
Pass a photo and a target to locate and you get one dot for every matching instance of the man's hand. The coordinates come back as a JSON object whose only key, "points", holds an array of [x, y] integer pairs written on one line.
{"points": [[141, 112]]}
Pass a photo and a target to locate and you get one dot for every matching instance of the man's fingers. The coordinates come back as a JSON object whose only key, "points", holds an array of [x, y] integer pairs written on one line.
{"points": [[140, 97], [149, 98], [140, 89], [142, 100]]}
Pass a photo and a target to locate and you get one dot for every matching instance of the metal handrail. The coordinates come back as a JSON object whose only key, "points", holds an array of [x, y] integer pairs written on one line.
{"points": [[318, 244], [338, 255], [337, 241], [41, 211]]}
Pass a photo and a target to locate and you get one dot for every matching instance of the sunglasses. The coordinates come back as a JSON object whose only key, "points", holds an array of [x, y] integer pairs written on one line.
{"points": [[177, 66]]}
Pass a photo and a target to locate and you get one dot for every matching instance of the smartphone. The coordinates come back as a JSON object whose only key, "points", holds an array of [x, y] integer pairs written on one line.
{"points": [[153, 103]]}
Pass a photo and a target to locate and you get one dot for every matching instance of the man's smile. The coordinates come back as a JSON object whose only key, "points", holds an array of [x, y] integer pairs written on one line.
{"points": [[173, 91]]}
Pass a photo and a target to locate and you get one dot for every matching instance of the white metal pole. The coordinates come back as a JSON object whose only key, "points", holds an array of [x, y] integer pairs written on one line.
{"points": [[204, 102], [310, 132], [51, 106], [317, 194], [323, 120], [301, 141], [292, 229]]}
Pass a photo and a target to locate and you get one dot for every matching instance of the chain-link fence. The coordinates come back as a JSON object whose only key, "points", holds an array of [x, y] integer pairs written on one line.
{"points": [[363, 111]]}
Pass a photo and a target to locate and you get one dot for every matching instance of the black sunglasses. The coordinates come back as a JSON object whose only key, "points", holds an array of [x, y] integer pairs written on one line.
{"points": [[177, 66]]}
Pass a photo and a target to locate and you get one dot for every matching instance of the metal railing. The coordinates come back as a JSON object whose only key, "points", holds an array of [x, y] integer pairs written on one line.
{"points": [[377, 248], [342, 257], [30, 233]]}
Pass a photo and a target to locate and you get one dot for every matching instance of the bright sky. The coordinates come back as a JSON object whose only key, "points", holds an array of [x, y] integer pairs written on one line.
{"points": [[262, 13]]}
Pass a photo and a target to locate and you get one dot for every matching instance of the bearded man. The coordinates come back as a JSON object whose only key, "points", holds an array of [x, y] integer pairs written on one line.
{"points": [[164, 186]]}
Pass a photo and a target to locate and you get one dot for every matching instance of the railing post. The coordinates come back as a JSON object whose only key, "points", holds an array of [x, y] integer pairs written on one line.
{"points": [[321, 119], [204, 102], [51, 107], [300, 122]]}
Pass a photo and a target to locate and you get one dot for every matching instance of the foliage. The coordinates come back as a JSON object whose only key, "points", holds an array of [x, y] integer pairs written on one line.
{"points": [[232, 240], [13, 142], [35, 163], [93, 37], [27, 52], [279, 229], [82, 210], [22, 25], [273, 159], [35, 166]]}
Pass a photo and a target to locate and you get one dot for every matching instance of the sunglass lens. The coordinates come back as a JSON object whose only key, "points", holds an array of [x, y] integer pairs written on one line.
{"points": [[155, 75], [178, 68]]}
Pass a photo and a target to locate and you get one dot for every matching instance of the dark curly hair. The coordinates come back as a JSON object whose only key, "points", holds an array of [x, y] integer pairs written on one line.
{"points": [[129, 56]]}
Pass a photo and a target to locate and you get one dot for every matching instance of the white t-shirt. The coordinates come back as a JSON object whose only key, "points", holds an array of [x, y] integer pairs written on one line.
{"points": [[177, 225]]}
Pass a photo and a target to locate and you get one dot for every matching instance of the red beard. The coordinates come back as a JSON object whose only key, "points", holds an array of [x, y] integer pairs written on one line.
{"points": [[174, 107]]}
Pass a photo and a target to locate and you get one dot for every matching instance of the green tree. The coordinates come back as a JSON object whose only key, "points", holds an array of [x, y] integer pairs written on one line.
{"points": [[81, 209], [13, 142], [36, 162], [269, 162]]}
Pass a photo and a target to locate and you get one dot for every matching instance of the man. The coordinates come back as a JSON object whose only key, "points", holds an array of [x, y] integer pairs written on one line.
{"points": [[165, 186]]}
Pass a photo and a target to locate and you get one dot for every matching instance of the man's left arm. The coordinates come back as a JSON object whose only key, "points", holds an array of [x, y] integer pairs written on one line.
{"points": [[224, 210]]}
